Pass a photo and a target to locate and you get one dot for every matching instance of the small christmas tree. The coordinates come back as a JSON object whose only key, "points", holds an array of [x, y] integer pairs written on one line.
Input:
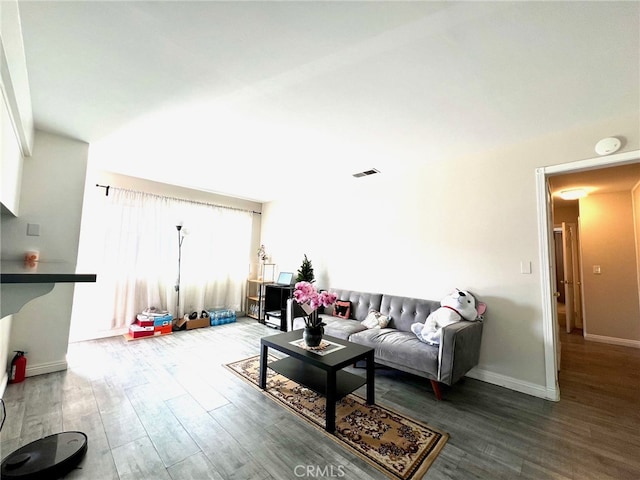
{"points": [[305, 273]]}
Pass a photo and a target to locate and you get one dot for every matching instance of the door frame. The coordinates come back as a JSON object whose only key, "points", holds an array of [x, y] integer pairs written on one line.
{"points": [[545, 240]]}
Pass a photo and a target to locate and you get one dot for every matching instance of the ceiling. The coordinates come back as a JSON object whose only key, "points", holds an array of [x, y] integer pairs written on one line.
{"points": [[621, 178], [231, 97]]}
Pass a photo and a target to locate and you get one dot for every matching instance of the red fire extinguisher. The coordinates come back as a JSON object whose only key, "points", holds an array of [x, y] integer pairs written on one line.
{"points": [[18, 367]]}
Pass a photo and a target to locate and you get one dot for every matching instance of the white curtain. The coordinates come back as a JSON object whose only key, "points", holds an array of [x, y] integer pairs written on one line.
{"points": [[131, 242]]}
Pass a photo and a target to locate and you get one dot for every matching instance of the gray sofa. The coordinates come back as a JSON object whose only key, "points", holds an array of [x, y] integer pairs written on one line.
{"points": [[396, 346]]}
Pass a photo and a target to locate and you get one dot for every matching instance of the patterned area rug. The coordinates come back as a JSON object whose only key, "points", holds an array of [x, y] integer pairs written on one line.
{"points": [[396, 445]]}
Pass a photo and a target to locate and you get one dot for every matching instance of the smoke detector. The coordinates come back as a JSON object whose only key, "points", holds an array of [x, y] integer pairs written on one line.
{"points": [[607, 146]]}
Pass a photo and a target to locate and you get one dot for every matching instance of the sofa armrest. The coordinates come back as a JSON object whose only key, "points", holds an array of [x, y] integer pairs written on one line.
{"points": [[459, 350]]}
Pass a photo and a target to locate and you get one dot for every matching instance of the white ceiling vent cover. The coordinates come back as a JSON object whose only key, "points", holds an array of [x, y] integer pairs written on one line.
{"points": [[366, 173]]}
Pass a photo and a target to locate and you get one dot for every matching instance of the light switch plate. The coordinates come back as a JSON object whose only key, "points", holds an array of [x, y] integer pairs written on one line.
{"points": [[33, 229]]}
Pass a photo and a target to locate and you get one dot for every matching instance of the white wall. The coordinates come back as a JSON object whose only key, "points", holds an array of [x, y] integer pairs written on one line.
{"points": [[11, 163], [16, 136], [611, 303], [51, 196], [14, 82], [458, 222], [11, 173], [635, 195], [5, 353]]}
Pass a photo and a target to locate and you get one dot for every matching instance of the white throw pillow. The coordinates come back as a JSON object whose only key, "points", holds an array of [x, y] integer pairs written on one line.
{"points": [[375, 320]]}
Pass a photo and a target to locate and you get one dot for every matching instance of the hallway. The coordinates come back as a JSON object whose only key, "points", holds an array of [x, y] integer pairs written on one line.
{"points": [[600, 394], [599, 372]]}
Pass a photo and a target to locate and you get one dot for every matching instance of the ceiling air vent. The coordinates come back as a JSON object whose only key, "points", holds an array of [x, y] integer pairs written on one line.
{"points": [[366, 173]]}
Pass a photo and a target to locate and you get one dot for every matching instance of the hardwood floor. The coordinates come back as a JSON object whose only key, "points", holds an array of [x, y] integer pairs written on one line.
{"points": [[165, 408]]}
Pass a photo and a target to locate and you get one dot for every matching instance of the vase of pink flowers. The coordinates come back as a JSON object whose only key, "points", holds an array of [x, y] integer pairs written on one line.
{"points": [[310, 300]]}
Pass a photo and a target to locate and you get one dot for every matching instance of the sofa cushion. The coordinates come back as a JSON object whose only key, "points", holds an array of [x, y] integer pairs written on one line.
{"points": [[375, 320], [341, 327], [342, 309], [361, 303], [394, 347], [405, 311]]}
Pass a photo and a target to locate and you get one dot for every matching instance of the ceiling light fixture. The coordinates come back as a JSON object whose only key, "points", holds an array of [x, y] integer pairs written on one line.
{"points": [[573, 194]]}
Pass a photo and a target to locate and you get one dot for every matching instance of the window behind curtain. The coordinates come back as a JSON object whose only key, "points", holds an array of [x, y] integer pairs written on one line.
{"points": [[132, 244]]}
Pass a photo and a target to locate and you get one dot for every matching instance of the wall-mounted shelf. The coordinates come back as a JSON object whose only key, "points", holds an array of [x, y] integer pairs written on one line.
{"points": [[21, 284]]}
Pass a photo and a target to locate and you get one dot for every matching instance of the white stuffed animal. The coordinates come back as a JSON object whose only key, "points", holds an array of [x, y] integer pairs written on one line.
{"points": [[459, 305]]}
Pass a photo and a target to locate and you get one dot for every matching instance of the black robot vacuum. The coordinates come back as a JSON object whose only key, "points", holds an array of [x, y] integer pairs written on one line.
{"points": [[48, 458]]}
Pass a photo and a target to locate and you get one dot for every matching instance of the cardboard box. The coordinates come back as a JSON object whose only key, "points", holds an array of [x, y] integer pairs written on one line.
{"points": [[197, 323], [186, 324], [162, 330], [154, 320], [179, 324], [163, 321], [144, 322], [136, 331]]}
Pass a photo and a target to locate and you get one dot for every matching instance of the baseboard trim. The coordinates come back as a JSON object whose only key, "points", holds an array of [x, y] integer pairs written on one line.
{"points": [[612, 340], [98, 335], [43, 368], [514, 384]]}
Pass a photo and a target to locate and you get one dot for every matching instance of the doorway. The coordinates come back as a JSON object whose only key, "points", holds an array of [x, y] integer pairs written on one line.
{"points": [[547, 258], [568, 274]]}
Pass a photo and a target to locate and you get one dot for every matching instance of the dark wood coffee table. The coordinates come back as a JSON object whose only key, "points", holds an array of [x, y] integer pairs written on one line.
{"points": [[320, 373]]}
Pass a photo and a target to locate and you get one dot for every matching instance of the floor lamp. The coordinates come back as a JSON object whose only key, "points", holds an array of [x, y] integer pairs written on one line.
{"points": [[180, 240]]}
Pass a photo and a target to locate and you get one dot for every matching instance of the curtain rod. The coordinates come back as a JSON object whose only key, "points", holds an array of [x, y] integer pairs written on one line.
{"points": [[107, 187]]}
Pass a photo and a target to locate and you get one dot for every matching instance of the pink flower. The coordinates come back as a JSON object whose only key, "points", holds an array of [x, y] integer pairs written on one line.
{"points": [[327, 298], [304, 292], [314, 302], [308, 297]]}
